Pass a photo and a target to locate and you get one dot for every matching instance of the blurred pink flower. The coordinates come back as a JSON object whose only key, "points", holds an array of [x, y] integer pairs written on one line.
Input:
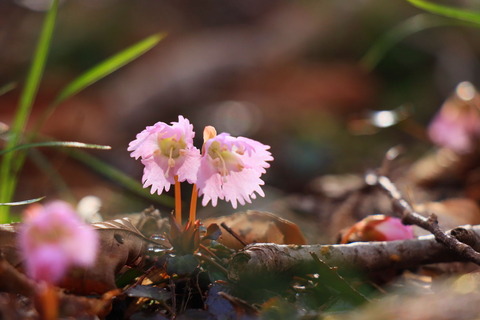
{"points": [[230, 168], [52, 238], [457, 125], [378, 228], [166, 151]]}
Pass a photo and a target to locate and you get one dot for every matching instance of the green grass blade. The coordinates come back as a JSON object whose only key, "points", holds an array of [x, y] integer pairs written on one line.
{"points": [[21, 203], [446, 11], [7, 177], [403, 30], [108, 66], [64, 144], [7, 88], [119, 177], [34, 76]]}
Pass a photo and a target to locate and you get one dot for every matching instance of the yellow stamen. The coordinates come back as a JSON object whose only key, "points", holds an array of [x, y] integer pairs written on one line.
{"points": [[224, 170], [171, 162]]}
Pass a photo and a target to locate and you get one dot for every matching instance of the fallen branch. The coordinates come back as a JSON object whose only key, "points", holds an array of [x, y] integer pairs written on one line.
{"points": [[272, 259], [403, 208]]}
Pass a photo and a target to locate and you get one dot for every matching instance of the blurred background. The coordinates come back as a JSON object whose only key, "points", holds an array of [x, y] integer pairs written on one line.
{"points": [[300, 76]]}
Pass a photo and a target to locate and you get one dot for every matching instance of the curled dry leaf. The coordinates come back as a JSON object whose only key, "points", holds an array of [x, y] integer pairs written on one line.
{"points": [[257, 226]]}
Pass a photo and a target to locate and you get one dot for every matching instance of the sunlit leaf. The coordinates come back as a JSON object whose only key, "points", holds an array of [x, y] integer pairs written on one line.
{"points": [[64, 144], [126, 226], [447, 11], [21, 203]]}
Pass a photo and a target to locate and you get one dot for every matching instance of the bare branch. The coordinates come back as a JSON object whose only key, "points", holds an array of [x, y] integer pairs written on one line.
{"points": [[266, 258], [409, 216]]}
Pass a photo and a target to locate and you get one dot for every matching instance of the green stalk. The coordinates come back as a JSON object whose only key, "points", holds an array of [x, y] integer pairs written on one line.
{"points": [[7, 175]]}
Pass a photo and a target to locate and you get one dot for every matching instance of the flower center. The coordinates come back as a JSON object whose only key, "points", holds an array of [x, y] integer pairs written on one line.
{"points": [[224, 160], [171, 148]]}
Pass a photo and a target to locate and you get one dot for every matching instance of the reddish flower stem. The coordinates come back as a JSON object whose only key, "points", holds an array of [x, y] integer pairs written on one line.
{"points": [[178, 201], [193, 204], [47, 300]]}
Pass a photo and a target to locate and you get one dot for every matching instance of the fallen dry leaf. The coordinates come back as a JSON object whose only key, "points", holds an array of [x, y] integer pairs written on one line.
{"points": [[257, 226], [121, 244]]}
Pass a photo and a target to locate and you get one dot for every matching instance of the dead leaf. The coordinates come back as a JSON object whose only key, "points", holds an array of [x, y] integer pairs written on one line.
{"points": [[257, 226], [121, 244]]}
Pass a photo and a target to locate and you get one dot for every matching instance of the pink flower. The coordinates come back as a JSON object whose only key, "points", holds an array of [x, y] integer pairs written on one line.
{"points": [[378, 228], [390, 229], [457, 125], [52, 239], [166, 151], [231, 168]]}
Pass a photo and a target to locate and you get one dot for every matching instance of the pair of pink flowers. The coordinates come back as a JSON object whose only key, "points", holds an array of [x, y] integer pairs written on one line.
{"points": [[228, 168]]}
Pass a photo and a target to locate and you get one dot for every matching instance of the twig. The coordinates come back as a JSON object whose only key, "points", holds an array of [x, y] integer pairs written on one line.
{"points": [[271, 259], [337, 282], [403, 208], [233, 233], [213, 262]]}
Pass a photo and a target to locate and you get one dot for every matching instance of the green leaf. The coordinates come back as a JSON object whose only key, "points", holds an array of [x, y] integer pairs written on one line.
{"points": [[7, 176], [64, 144], [21, 203], [403, 30], [108, 66], [451, 12]]}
